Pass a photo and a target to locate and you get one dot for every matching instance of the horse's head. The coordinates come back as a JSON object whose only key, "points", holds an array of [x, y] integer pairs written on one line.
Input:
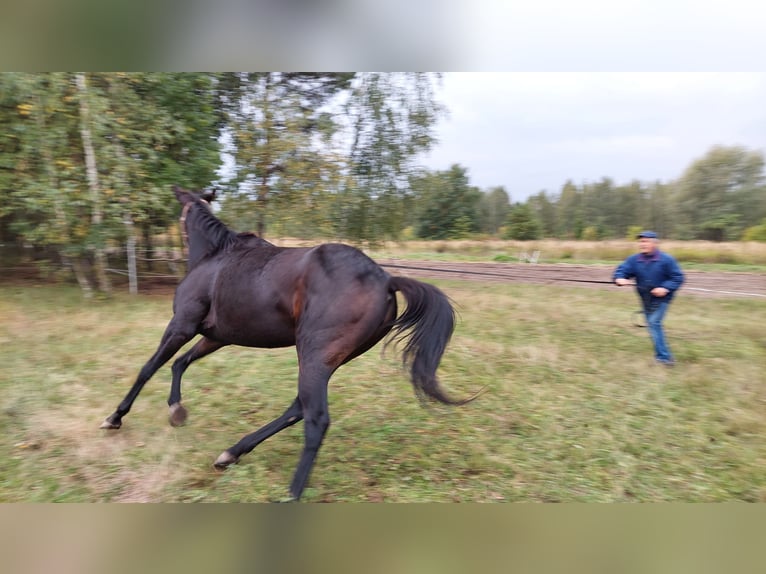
{"points": [[186, 197]]}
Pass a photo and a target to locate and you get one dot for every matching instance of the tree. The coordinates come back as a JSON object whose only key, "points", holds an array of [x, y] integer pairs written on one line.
{"points": [[94, 187], [569, 212], [162, 129], [493, 209], [389, 121], [660, 210], [89, 155], [722, 193], [545, 211], [47, 204], [282, 129], [597, 205], [522, 223], [447, 205]]}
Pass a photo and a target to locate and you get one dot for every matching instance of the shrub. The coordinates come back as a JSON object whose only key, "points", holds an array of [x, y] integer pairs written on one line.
{"points": [[755, 233], [633, 232], [590, 233], [523, 225]]}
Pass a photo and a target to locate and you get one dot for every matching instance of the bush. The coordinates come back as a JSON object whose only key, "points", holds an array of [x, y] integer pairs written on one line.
{"points": [[407, 234], [590, 234], [633, 232], [522, 224], [755, 233]]}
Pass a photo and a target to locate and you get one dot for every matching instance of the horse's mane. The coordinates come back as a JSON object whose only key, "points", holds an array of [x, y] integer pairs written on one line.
{"points": [[213, 230]]}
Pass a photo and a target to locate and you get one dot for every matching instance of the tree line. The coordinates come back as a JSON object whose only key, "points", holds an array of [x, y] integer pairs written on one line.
{"points": [[87, 161], [719, 197]]}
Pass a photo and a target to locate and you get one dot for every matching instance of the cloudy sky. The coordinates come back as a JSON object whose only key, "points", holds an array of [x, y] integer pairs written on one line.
{"points": [[534, 130]]}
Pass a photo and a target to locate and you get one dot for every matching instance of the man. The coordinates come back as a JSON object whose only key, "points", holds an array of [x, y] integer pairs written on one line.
{"points": [[657, 278]]}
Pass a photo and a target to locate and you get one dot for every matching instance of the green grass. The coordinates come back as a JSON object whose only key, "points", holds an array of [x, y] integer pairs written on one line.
{"points": [[574, 409]]}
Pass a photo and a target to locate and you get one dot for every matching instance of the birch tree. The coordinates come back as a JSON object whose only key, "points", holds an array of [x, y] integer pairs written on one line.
{"points": [[86, 158], [91, 171]]}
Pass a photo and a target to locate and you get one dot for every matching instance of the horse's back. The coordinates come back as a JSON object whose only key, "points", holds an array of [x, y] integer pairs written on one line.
{"points": [[343, 264], [261, 295]]}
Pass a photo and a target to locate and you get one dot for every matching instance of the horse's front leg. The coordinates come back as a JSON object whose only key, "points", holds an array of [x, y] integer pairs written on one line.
{"points": [[176, 335], [201, 348]]}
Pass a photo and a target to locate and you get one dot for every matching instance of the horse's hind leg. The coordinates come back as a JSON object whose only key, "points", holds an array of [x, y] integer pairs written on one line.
{"points": [[311, 405], [201, 348], [292, 415], [312, 391], [175, 337]]}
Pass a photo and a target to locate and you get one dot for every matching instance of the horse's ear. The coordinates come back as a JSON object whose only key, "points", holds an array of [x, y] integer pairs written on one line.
{"points": [[182, 195], [209, 196]]}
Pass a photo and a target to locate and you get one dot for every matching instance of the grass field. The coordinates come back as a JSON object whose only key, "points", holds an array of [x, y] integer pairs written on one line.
{"points": [[575, 409]]}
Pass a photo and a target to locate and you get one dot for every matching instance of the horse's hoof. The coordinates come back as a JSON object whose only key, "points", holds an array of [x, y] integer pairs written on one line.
{"points": [[107, 424], [225, 460], [178, 415]]}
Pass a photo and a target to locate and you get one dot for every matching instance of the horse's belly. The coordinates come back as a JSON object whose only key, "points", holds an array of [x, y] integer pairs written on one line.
{"points": [[250, 328], [260, 337]]}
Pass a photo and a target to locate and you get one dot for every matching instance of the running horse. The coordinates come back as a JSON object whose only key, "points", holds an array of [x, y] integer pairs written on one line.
{"points": [[331, 302]]}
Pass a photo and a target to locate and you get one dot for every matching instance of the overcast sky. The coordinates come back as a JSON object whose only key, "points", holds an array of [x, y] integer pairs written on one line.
{"points": [[533, 131]]}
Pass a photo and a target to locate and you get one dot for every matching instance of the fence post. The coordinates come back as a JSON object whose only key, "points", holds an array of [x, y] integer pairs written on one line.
{"points": [[132, 272]]}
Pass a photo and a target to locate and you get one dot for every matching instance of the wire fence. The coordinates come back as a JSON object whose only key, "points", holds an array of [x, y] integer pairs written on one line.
{"points": [[148, 263]]}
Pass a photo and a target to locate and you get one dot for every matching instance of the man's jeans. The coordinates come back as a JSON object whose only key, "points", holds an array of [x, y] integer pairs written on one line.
{"points": [[655, 313]]}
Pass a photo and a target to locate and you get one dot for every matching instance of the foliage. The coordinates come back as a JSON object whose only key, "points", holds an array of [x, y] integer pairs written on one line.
{"points": [[716, 198], [633, 232], [147, 130], [331, 155], [280, 133], [494, 205], [755, 233], [447, 204], [722, 193], [545, 209], [325, 153], [590, 233], [523, 224], [389, 120]]}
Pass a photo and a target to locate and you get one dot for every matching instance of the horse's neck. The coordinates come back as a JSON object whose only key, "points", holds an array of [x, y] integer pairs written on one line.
{"points": [[205, 235], [199, 249]]}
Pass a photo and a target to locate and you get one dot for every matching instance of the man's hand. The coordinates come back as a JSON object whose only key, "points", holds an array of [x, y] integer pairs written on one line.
{"points": [[659, 291], [620, 282]]}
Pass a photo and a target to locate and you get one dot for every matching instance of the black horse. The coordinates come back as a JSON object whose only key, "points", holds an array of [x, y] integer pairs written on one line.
{"points": [[331, 301]]}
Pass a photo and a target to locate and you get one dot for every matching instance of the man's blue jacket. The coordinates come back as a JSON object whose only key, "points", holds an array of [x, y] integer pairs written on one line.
{"points": [[656, 270]]}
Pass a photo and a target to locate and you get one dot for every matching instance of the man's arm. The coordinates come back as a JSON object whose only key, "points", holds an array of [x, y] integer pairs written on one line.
{"points": [[624, 273], [675, 276]]}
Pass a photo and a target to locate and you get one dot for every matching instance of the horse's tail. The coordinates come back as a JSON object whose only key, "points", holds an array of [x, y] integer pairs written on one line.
{"points": [[430, 320]]}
